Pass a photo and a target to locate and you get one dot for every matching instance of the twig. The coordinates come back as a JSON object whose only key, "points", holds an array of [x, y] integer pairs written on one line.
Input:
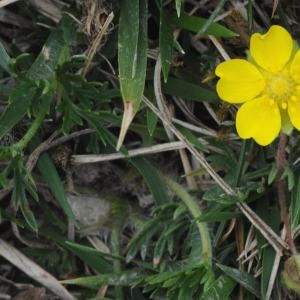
{"points": [[93, 158], [34, 156], [219, 47], [274, 269], [96, 43], [33, 270], [277, 243], [168, 115], [66, 138], [46, 145], [6, 2]]}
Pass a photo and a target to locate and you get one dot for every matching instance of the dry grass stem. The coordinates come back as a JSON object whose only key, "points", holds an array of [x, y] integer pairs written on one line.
{"points": [[33, 270], [277, 243], [96, 44], [3, 3]]}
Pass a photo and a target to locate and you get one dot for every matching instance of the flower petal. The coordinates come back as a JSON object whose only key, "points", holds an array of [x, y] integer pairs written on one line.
{"points": [[294, 111], [295, 67], [259, 119], [272, 50], [240, 81]]}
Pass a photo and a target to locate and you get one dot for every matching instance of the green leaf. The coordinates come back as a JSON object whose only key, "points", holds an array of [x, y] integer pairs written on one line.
{"points": [[165, 44], [153, 180], [4, 58], [244, 279], [194, 210], [94, 258], [215, 216], [267, 268], [289, 174], [295, 204], [132, 50], [94, 282], [159, 249], [195, 24], [19, 102], [220, 289], [19, 199], [189, 91], [55, 50], [151, 121], [28, 214], [49, 173], [212, 17], [272, 174], [178, 7]]}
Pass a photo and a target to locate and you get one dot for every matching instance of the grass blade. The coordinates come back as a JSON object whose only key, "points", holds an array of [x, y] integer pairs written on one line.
{"points": [[132, 58], [4, 58], [51, 176]]}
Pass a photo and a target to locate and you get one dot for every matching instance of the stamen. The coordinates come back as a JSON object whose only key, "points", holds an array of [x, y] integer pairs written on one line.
{"points": [[283, 105], [271, 102]]}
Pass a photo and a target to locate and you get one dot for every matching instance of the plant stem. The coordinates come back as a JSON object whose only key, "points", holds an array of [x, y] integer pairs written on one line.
{"points": [[195, 211], [281, 163], [32, 130]]}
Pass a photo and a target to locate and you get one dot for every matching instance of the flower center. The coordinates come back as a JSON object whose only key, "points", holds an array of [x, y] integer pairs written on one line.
{"points": [[280, 87]]}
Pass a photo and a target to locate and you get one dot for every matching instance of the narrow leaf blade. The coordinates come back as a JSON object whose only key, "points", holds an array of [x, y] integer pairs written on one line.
{"points": [[4, 58]]}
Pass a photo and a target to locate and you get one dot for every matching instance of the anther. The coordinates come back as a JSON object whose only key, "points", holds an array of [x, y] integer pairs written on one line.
{"points": [[283, 105], [271, 102]]}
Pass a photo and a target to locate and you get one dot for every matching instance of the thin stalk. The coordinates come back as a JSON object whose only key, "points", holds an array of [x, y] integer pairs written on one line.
{"points": [[195, 211], [281, 163], [32, 130]]}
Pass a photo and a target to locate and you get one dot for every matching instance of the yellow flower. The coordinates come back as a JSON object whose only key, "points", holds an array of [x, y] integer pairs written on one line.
{"points": [[267, 85]]}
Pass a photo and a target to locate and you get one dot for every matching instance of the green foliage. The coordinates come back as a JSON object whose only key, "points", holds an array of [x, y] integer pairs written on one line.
{"points": [[164, 238], [132, 50]]}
